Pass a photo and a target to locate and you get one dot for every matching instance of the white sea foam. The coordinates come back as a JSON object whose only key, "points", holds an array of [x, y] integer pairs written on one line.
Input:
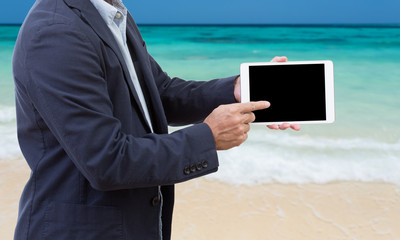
{"points": [[7, 114], [9, 148], [269, 157], [273, 156]]}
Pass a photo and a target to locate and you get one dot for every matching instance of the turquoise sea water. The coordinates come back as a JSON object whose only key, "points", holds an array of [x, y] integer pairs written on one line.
{"points": [[362, 145]]}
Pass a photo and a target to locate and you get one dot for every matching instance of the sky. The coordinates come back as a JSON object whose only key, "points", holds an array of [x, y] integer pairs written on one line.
{"points": [[241, 11]]}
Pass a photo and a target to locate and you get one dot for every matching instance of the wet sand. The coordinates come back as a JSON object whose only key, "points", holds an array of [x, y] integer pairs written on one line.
{"points": [[206, 209]]}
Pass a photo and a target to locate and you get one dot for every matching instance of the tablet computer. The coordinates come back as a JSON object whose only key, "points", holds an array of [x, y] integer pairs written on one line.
{"points": [[299, 92]]}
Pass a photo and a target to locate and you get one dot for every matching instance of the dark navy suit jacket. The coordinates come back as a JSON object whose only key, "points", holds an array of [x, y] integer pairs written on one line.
{"points": [[95, 165]]}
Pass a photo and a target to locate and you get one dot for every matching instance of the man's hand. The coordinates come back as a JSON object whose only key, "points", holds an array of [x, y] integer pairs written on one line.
{"points": [[230, 123], [284, 126]]}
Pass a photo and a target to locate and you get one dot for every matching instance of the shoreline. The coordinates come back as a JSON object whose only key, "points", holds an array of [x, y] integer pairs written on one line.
{"points": [[210, 209]]}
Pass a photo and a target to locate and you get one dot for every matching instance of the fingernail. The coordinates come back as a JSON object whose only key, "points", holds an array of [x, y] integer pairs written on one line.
{"points": [[267, 104]]}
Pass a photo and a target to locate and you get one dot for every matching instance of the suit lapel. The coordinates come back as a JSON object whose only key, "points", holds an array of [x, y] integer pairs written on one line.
{"points": [[138, 53], [93, 19]]}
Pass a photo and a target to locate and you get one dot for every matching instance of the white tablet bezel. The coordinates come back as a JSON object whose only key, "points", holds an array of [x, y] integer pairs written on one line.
{"points": [[329, 88]]}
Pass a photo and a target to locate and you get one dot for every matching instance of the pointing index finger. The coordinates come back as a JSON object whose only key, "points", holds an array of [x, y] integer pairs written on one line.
{"points": [[253, 106]]}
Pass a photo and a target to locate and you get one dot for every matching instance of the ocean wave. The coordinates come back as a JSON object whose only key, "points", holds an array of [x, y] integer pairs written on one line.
{"points": [[7, 114], [293, 159], [280, 157], [305, 141], [8, 132]]}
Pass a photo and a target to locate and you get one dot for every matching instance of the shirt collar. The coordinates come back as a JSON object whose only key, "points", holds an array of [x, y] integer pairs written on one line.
{"points": [[109, 12]]}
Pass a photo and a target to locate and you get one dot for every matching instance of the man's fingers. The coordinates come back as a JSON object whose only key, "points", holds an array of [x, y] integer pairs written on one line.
{"points": [[295, 127], [246, 128], [273, 126], [284, 126], [279, 59], [252, 106], [250, 117], [247, 117]]}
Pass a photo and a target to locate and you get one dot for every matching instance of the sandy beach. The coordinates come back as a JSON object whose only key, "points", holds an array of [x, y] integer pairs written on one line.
{"points": [[343, 210], [13, 175], [207, 209]]}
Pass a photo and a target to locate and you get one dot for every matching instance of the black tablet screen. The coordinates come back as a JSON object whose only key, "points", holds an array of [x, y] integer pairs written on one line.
{"points": [[296, 92]]}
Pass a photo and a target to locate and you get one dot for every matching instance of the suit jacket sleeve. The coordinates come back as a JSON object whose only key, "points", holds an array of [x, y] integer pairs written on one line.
{"points": [[66, 86], [187, 102]]}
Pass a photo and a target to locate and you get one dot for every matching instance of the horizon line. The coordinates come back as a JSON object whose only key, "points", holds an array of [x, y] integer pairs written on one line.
{"points": [[257, 24]]}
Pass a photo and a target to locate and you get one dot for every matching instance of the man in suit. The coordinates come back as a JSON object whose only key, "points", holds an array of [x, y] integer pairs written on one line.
{"points": [[92, 112]]}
